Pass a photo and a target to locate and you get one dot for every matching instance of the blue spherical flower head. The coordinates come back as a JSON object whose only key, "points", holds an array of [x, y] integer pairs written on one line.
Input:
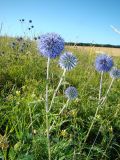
{"points": [[67, 61], [50, 45], [115, 73], [103, 63], [71, 93]]}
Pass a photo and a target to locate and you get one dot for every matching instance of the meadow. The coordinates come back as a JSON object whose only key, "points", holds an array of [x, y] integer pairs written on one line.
{"points": [[111, 51], [22, 106]]}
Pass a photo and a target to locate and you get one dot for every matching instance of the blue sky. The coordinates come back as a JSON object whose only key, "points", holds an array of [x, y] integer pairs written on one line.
{"points": [[74, 20]]}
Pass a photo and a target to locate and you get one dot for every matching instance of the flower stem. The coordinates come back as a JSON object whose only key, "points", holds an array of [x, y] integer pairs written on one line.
{"points": [[101, 124], [65, 105], [97, 109], [92, 123], [104, 98], [100, 90], [31, 118], [46, 107], [55, 92], [108, 145], [94, 142]]}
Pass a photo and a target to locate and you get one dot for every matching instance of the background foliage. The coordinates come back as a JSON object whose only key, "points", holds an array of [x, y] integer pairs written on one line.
{"points": [[22, 109]]}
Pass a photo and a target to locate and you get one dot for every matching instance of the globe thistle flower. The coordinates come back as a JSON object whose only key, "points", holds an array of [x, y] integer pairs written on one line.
{"points": [[115, 73], [35, 38], [67, 61], [21, 48], [2, 53], [71, 93], [23, 20], [30, 21], [103, 63], [19, 39], [51, 45], [13, 45]]}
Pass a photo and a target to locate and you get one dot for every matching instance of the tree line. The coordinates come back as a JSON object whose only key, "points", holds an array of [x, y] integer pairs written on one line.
{"points": [[92, 44]]}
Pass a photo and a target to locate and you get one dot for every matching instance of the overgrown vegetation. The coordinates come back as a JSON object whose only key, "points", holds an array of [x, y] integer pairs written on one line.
{"points": [[22, 107]]}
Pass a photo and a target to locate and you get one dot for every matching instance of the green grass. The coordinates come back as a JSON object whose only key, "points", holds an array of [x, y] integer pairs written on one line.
{"points": [[22, 107]]}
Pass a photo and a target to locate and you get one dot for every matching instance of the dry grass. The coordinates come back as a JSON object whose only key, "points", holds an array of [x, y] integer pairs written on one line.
{"points": [[110, 51]]}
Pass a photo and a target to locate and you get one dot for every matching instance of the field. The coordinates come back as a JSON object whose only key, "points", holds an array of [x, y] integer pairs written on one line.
{"points": [[111, 51], [73, 136]]}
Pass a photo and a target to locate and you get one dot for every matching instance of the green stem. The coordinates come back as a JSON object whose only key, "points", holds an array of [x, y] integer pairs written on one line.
{"points": [[31, 121], [100, 90], [65, 105], [102, 103], [92, 123], [46, 107], [104, 98], [94, 142], [74, 133], [108, 145], [55, 92]]}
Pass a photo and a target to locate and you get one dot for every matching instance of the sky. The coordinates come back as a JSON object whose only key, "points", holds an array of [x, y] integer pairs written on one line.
{"points": [[85, 21]]}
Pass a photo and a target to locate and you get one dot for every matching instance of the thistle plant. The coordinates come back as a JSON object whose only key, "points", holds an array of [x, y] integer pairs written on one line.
{"points": [[103, 63], [50, 46], [114, 74]]}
